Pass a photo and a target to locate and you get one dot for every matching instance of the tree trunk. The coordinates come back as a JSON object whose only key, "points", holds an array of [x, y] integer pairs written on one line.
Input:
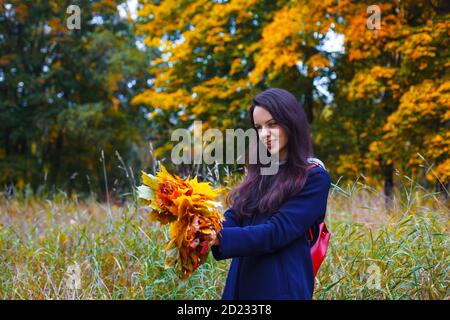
{"points": [[388, 173], [309, 101], [57, 159]]}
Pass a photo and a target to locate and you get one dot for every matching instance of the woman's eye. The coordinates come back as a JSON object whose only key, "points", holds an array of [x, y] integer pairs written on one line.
{"points": [[269, 125]]}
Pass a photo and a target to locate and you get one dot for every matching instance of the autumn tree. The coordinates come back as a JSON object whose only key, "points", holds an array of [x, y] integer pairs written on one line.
{"points": [[376, 105], [64, 93], [391, 91], [214, 56]]}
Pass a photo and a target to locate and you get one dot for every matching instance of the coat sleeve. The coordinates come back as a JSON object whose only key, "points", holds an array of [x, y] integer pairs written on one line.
{"points": [[287, 224], [230, 219], [230, 222]]}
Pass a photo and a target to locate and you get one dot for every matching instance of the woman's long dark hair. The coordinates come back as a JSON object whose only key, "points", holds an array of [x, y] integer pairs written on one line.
{"points": [[262, 194]]}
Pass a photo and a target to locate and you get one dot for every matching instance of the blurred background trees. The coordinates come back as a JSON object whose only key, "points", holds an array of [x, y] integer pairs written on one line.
{"points": [[65, 93], [377, 99]]}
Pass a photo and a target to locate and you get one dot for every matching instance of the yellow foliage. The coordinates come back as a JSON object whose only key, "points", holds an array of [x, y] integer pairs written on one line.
{"points": [[33, 148], [163, 100], [370, 83], [159, 152], [218, 88], [191, 208], [441, 172], [417, 46], [275, 52]]}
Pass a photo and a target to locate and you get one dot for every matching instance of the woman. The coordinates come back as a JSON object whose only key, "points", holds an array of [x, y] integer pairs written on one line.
{"points": [[265, 228]]}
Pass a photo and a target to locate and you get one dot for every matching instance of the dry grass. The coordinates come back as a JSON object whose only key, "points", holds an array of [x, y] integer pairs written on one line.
{"points": [[46, 244]]}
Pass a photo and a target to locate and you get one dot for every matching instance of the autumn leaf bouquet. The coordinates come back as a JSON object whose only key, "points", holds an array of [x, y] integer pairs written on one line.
{"points": [[192, 211]]}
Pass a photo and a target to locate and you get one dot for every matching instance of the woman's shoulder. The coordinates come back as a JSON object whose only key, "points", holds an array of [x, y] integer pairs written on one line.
{"points": [[319, 167], [317, 184], [316, 161], [317, 175]]}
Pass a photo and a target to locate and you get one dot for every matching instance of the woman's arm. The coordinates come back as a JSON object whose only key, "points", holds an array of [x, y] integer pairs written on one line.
{"points": [[230, 219], [230, 222], [290, 222]]}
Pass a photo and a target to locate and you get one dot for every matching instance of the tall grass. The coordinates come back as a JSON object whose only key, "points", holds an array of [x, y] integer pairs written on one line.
{"points": [[66, 248], [375, 255], [42, 241]]}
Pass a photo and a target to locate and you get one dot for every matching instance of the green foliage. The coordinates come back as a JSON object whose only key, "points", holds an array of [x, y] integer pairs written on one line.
{"points": [[377, 106], [64, 93]]}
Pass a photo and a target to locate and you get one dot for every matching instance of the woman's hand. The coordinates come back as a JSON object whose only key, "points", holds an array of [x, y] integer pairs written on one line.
{"points": [[216, 240]]}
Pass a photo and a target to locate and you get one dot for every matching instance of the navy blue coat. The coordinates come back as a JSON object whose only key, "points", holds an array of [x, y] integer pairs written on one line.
{"points": [[271, 256]]}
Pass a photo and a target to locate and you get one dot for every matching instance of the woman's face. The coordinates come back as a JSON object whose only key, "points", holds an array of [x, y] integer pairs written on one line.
{"points": [[271, 134]]}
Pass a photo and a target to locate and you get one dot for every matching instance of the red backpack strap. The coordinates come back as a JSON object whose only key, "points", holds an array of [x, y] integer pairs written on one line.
{"points": [[310, 234], [312, 165], [319, 247]]}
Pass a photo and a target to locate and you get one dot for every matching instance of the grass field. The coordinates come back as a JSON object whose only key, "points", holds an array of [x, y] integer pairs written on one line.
{"points": [[65, 248]]}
